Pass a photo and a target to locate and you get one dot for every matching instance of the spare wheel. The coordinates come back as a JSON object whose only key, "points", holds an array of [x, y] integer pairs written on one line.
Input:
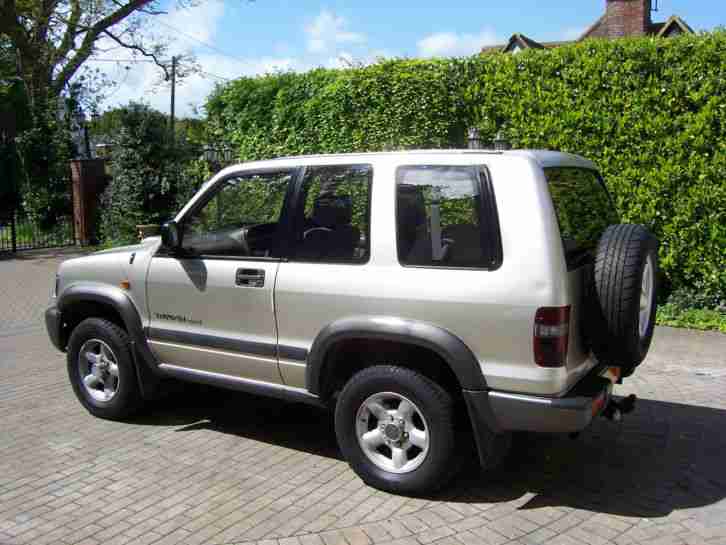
{"points": [[622, 296]]}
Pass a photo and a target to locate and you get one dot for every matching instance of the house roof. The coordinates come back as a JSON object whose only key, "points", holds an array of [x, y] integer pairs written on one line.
{"points": [[523, 42], [674, 25], [593, 27]]}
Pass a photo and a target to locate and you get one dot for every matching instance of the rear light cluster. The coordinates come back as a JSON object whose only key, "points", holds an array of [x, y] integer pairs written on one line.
{"points": [[551, 336]]}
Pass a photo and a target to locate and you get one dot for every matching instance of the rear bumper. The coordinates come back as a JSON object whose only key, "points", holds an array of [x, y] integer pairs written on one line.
{"points": [[532, 413], [503, 412], [53, 325]]}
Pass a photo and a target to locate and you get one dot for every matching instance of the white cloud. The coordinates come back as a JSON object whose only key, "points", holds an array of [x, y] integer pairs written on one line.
{"points": [[327, 31], [192, 92], [329, 42], [199, 21], [139, 81], [451, 44]]}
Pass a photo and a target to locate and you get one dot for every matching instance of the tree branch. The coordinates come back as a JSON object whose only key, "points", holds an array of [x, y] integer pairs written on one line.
{"points": [[140, 49], [71, 31], [86, 48]]}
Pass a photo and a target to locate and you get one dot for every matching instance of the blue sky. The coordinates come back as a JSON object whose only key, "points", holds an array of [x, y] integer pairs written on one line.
{"points": [[249, 38]]}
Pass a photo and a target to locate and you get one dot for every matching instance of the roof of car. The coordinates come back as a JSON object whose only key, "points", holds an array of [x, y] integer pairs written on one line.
{"points": [[544, 158]]}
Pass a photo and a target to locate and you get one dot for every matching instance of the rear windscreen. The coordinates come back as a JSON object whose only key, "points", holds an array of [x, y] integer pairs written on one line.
{"points": [[583, 206]]}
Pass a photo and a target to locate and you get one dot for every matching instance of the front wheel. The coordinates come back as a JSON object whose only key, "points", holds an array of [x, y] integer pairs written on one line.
{"points": [[101, 369], [395, 427]]}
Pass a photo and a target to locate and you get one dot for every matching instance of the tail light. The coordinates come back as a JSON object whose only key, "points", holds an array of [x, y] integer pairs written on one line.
{"points": [[551, 336]]}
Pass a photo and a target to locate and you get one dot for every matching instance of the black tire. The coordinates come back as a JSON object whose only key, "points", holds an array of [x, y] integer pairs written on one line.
{"points": [[436, 407], [615, 296], [127, 399]]}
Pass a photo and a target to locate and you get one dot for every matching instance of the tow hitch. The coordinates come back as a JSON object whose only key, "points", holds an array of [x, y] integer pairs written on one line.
{"points": [[616, 409]]}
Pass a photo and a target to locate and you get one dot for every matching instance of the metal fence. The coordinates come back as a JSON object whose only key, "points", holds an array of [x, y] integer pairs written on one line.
{"points": [[17, 232]]}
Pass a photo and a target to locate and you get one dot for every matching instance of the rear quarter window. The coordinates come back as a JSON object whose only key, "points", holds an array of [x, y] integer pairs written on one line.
{"points": [[583, 206]]}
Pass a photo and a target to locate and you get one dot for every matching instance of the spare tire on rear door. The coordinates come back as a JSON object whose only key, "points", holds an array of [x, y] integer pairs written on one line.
{"points": [[622, 296]]}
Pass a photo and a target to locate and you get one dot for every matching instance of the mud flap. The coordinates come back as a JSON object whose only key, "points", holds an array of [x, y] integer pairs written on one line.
{"points": [[492, 443]]}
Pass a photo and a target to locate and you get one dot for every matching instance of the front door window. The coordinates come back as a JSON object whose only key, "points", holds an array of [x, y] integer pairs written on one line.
{"points": [[242, 218]]}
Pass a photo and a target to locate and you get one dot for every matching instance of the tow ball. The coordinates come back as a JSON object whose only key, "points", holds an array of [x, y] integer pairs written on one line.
{"points": [[616, 409]]}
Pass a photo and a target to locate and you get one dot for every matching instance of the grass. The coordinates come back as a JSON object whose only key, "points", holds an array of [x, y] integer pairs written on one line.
{"points": [[29, 235], [694, 318]]}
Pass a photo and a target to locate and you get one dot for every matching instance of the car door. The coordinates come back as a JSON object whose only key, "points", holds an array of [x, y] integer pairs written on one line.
{"points": [[327, 275], [211, 303]]}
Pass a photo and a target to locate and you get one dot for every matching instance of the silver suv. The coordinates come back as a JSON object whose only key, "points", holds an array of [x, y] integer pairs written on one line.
{"points": [[422, 295]]}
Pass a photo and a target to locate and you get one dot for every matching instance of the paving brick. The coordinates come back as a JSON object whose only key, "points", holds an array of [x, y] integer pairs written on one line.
{"points": [[356, 536], [434, 534]]}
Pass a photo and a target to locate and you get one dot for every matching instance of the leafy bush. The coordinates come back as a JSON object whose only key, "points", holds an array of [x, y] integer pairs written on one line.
{"points": [[650, 112], [45, 150], [698, 307], [148, 171]]}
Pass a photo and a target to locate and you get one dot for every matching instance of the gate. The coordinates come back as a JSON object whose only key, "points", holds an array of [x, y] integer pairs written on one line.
{"points": [[17, 231]]}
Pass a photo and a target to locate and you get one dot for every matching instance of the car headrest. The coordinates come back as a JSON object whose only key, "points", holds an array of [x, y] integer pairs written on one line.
{"points": [[332, 210]]}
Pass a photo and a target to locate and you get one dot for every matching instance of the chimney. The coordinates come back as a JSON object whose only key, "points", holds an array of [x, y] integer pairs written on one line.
{"points": [[627, 17]]}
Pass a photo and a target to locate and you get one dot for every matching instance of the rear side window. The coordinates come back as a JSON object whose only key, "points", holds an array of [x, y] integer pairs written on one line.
{"points": [[583, 206], [441, 216]]}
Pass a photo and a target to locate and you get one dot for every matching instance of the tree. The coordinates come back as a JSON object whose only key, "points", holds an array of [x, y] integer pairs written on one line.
{"points": [[147, 172], [52, 39], [44, 44]]}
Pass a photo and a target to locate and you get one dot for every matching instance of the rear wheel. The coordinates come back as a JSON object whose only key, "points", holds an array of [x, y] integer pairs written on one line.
{"points": [[101, 369], [396, 429]]}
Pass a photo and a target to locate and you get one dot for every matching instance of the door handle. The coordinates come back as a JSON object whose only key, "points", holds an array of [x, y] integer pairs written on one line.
{"points": [[252, 278]]}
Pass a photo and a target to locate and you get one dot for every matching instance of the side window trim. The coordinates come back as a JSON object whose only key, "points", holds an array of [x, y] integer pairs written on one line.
{"points": [[296, 173], [489, 229]]}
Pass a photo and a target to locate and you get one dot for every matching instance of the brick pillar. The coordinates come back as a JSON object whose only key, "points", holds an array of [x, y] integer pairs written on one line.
{"points": [[89, 180], [627, 18]]}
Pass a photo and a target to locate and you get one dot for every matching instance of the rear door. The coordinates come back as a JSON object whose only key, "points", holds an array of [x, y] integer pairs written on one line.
{"points": [[211, 306], [328, 274], [584, 210]]}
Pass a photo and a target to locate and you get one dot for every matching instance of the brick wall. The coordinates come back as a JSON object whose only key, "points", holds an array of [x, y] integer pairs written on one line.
{"points": [[627, 18], [89, 180]]}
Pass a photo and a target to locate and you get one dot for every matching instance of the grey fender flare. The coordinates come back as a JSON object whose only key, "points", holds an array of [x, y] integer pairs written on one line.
{"points": [[144, 359], [491, 441], [451, 348]]}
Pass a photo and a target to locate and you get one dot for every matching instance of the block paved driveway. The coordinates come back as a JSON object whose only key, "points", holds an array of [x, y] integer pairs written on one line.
{"points": [[221, 468]]}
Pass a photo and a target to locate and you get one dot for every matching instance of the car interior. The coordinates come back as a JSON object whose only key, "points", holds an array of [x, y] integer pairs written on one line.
{"points": [[418, 242]]}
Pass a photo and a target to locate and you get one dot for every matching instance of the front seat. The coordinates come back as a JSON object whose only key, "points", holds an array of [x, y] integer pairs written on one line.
{"points": [[329, 234]]}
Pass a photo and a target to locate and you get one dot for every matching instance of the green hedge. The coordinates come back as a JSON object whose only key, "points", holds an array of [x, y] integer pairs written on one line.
{"points": [[650, 112]]}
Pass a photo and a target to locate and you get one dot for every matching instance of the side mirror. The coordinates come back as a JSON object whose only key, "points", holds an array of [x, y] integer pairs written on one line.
{"points": [[170, 237]]}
